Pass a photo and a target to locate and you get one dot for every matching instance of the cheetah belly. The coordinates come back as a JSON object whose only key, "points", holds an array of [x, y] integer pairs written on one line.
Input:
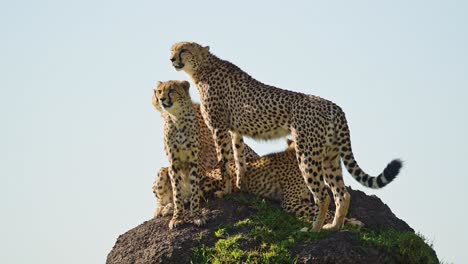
{"points": [[262, 179], [264, 134]]}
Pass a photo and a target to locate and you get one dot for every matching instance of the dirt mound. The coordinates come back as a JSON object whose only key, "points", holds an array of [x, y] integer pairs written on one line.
{"points": [[385, 238]]}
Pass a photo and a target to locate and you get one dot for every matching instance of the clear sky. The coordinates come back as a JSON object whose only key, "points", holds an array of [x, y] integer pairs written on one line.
{"points": [[80, 141]]}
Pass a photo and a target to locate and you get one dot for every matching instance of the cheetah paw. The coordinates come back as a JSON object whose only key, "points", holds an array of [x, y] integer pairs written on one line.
{"points": [[219, 194], [167, 210], [330, 227], [157, 213], [354, 222], [175, 222], [315, 228], [199, 221]]}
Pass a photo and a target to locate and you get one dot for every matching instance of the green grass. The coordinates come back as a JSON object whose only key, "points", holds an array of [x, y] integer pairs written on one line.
{"points": [[269, 235], [405, 247]]}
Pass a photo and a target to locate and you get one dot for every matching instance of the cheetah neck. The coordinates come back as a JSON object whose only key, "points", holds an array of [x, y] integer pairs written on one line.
{"points": [[210, 65], [184, 114]]}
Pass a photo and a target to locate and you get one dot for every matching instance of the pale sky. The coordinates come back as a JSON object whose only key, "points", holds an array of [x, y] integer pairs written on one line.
{"points": [[80, 142]]}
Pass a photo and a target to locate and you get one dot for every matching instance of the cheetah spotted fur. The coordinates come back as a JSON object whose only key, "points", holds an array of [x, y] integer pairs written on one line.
{"points": [[274, 176], [182, 146], [207, 157], [234, 102]]}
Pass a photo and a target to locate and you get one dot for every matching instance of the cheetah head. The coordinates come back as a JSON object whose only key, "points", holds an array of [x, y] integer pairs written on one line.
{"points": [[188, 56], [172, 96]]}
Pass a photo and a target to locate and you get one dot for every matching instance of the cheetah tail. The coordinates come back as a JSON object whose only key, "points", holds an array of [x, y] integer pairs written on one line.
{"points": [[374, 182]]}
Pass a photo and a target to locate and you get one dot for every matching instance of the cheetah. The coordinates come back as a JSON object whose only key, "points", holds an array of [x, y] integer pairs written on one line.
{"points": [[207, 146], [207, 157], [273, 176], [182, 145], [234, 102]]}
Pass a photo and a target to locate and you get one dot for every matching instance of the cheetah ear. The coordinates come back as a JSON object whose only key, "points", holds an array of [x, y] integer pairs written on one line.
{"points": [[289, 142], [185, 85], [158, 83], [207, 48]]}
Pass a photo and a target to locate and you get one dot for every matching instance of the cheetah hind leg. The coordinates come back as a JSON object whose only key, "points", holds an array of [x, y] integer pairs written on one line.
{"points": [[158, 211], [167, 210], [312, 175], [164, 210], [340, 214], [347, 221], [162, 190], [334, 179]]}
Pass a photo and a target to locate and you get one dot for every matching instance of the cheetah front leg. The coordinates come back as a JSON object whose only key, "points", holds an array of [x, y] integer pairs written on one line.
{"points": [[239, 158], [194, 176], [223, 144], [176, 178]]}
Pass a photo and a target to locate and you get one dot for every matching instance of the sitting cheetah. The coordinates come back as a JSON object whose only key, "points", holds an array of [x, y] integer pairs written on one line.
{"points": [[274, 176], [233, 101], [182, 145], [207, 157]]}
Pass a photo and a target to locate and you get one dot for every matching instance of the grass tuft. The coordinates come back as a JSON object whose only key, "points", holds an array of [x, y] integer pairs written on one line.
{"points": [[269, 235], [405, 247]]}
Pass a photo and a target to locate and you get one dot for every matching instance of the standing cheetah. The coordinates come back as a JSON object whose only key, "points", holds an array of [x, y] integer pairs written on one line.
{"points": [[233, 101]]}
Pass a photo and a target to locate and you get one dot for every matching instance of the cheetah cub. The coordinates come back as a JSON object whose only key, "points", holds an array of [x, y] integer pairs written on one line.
{"points": [[182, 145]]}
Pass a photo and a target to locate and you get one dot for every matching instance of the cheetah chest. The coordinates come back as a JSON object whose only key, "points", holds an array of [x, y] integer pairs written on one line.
{"points": [[183, 148]]}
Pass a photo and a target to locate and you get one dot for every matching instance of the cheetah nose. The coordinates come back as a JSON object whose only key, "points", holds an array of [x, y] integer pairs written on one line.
{"points": [[172, 59], [162, 99]]}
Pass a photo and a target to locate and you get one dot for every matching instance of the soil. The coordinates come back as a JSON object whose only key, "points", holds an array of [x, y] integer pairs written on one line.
{"points": [[152, 242]]}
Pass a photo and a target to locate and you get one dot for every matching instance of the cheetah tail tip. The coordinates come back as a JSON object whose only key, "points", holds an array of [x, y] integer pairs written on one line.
{"points": [[392, 169]]}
